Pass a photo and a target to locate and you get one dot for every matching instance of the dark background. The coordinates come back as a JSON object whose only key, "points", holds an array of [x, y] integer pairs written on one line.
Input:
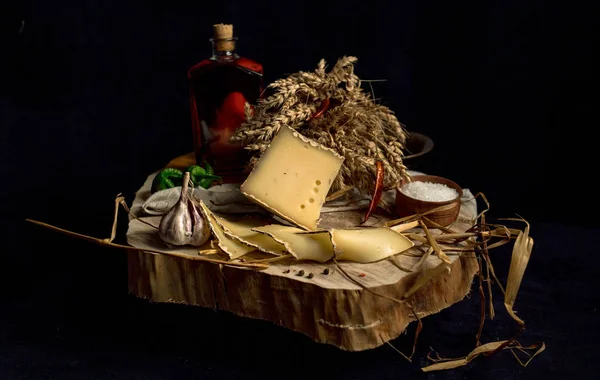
{"points": [[93, 98]]}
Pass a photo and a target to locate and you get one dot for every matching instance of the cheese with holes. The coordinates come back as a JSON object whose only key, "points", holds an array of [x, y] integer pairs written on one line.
{"points": [[315, 246], [293, 177], [233, 248], [241, 230], [366, 245]]}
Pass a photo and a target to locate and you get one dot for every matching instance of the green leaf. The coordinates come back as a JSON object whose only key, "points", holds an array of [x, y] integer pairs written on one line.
{"points": [[209, 169], [207, 180]]}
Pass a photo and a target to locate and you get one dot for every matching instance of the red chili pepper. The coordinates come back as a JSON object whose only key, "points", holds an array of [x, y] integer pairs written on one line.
{"points": [[378, 190], [324, 107]]}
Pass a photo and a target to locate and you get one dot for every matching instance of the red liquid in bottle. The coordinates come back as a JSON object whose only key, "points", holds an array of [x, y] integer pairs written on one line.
{"points": [[219, 88]]}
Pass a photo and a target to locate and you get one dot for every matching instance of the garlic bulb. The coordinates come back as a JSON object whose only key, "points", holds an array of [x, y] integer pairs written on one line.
{"points": [[184, 224]]}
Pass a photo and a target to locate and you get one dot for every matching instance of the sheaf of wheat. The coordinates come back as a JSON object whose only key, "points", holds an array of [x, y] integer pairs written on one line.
{"points": [[354, 125]]}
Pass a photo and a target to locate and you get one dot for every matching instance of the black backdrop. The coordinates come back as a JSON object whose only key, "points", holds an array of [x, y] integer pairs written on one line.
{"points": [[93, 98]]}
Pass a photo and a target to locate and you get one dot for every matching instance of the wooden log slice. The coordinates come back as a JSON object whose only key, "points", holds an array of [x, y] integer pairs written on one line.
{"points": [[329, 308]]}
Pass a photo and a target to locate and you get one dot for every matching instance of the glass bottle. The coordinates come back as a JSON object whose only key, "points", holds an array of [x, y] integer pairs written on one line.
{"points": [[219, 88]]}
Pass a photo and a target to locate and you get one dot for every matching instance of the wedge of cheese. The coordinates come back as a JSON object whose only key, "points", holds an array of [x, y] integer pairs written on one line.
{"points": [[241, 230], [232, 247], [293, 177], [303, 246], [367, 245]]}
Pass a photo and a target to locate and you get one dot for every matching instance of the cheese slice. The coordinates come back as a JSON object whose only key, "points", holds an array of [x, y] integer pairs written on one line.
{"points": [[293, 177], [367, 245], [233, 248], [241, 230], [303, 246]]}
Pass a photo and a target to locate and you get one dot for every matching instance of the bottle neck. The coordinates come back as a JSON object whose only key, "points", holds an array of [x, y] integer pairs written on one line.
{"points": [[223, 49]]}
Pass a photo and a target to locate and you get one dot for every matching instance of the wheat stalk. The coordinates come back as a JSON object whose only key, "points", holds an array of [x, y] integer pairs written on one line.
{"points": [[355, 126]]}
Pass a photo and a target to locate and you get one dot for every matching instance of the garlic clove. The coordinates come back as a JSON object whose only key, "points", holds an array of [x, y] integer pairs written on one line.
{"points": [[184, 224]]}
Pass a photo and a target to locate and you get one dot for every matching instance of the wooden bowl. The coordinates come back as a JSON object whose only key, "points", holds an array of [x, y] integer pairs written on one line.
{"points": [[417, 145], [406, 206]]}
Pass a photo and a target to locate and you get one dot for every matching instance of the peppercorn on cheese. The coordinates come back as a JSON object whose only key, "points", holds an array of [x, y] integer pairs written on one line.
{"points": [[293, 177], [367, 245], [302, 245]]}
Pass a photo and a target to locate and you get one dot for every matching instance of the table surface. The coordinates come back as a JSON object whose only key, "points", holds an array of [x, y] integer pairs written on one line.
{"points": [[248, 294]]}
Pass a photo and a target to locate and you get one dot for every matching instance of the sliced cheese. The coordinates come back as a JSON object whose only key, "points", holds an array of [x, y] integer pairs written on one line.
{"points": [[293, 177], [233, 248], [366, 245], [241, 230], [303, 246]]}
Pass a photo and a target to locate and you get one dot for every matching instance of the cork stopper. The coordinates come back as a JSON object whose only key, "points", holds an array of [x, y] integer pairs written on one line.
{"points": [[223, 37]]}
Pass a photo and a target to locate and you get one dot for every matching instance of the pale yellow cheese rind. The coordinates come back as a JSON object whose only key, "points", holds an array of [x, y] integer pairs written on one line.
{"points": [[241, 230], [314, 246], [367, 245], [233, 248], [293, 177]]}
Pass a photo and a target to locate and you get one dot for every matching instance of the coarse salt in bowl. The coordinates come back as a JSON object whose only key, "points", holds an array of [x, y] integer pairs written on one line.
{"points": [[424, 193], [429, 191]]}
